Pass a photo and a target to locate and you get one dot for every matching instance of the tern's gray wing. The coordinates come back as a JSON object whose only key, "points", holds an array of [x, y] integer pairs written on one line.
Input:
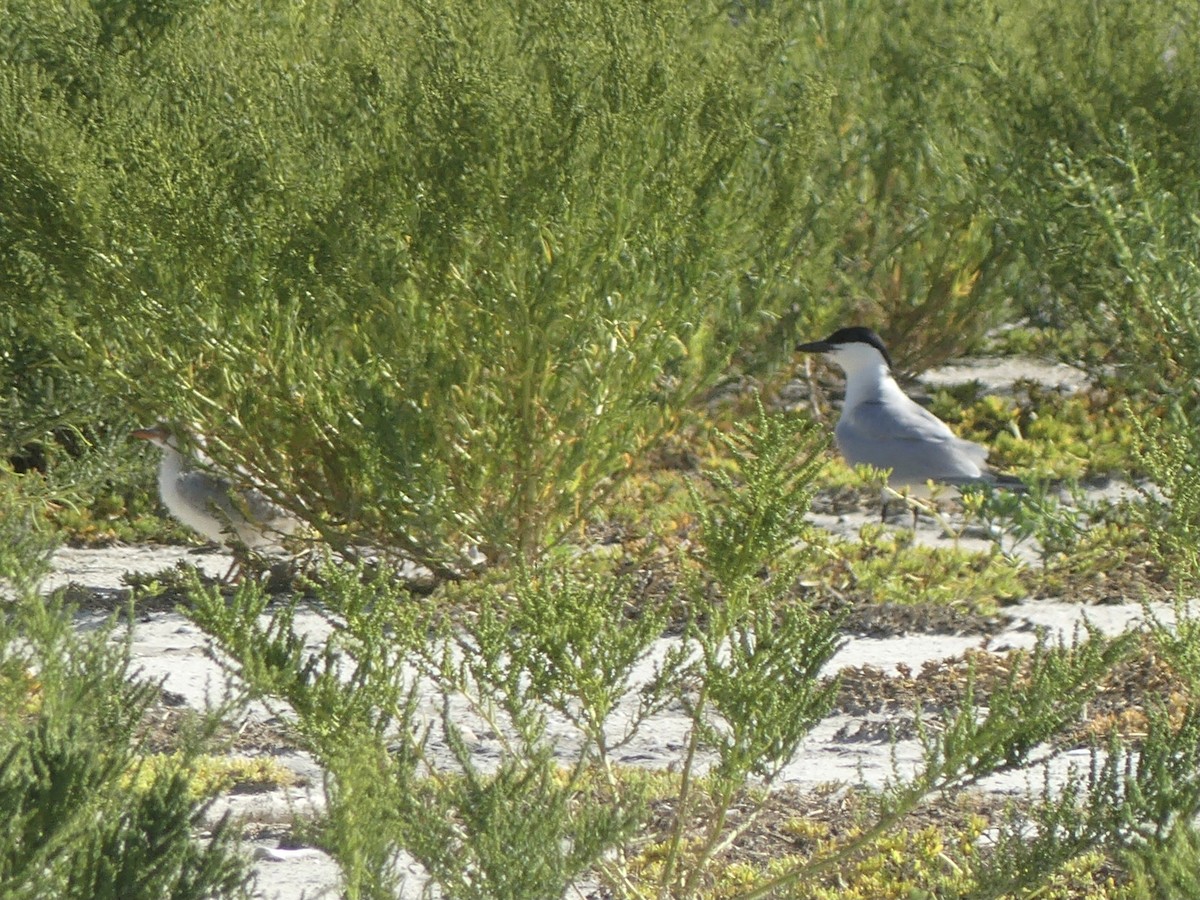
{"points": [[245, 511], [205, 491], [908, 439], [257, 508]]}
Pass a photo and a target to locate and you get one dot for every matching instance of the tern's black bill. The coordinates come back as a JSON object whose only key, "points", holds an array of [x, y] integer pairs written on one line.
{"points": [[814, 347]]}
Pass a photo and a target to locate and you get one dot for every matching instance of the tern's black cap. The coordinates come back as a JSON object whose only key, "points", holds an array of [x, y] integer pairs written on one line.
{"points": [[854, 335]]}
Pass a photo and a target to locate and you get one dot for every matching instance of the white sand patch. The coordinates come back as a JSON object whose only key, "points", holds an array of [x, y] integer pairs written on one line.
{"points": [[168, 648], [998, 375]]}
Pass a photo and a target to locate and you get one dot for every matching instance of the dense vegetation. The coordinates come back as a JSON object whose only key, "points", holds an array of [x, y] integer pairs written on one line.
{"points": [[459, 275]]}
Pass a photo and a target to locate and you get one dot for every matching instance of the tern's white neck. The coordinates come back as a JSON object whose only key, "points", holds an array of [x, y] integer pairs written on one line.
{"points": [[867, 373], [171, 465]]}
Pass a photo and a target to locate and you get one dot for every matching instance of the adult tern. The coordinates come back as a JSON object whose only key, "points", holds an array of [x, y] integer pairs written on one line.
{"points": [[882, 426]]}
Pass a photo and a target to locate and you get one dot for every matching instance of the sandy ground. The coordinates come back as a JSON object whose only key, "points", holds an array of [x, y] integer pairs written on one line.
{"points": [[169, 649]]}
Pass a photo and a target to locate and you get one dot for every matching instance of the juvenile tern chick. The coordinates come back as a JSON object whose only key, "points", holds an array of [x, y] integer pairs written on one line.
{"points": [[212, 505]]}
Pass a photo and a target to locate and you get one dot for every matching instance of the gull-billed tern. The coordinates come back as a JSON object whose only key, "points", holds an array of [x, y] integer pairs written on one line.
{"points": [[881, 426]]}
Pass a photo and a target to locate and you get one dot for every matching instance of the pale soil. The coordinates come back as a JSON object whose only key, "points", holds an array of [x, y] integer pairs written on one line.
{"points": [[844, 748]]}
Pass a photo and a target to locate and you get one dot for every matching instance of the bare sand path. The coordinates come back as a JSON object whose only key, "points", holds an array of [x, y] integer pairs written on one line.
{"points": [[853, 749]]}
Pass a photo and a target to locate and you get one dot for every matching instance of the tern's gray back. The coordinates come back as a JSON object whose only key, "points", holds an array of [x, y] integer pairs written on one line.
{"points": [[235, 509], [909, 440]]}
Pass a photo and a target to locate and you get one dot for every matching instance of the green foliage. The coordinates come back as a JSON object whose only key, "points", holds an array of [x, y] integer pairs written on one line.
{"points": [[25, 543], [885, 566], [1180, 643], [524, 831], [70, 711], [560, 648], [1147, 227], [438, 299], [433, 274], [1043, 433], [905, 864], [1141, 225], [943, 202], [762, 682], [1038, 519], [435, 271], [1084, 548], [552, 649], [900, 232], [896, 866], [522, 828], [1167, 868], [756, 672], [1134, 806], [571, 645], [1169, 454], [1036, 702], [558, 674], [86, 815], [209, 775], [1098, 98], [753, 522]]}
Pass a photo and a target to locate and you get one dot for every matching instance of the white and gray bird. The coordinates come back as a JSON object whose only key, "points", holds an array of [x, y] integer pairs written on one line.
{"points": [[212, 505], [881, 426]]}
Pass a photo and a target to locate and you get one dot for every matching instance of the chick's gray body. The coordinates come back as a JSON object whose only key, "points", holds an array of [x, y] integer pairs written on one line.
{"points": [[215, 508], [211, 505]]}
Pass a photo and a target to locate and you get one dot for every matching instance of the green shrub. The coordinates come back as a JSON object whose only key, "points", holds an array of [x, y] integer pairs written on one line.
{"points": [[74, 829], [900, 232], [25, 542], [1139, 224], [71, 710], [1097, 105], [429, 275]]}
